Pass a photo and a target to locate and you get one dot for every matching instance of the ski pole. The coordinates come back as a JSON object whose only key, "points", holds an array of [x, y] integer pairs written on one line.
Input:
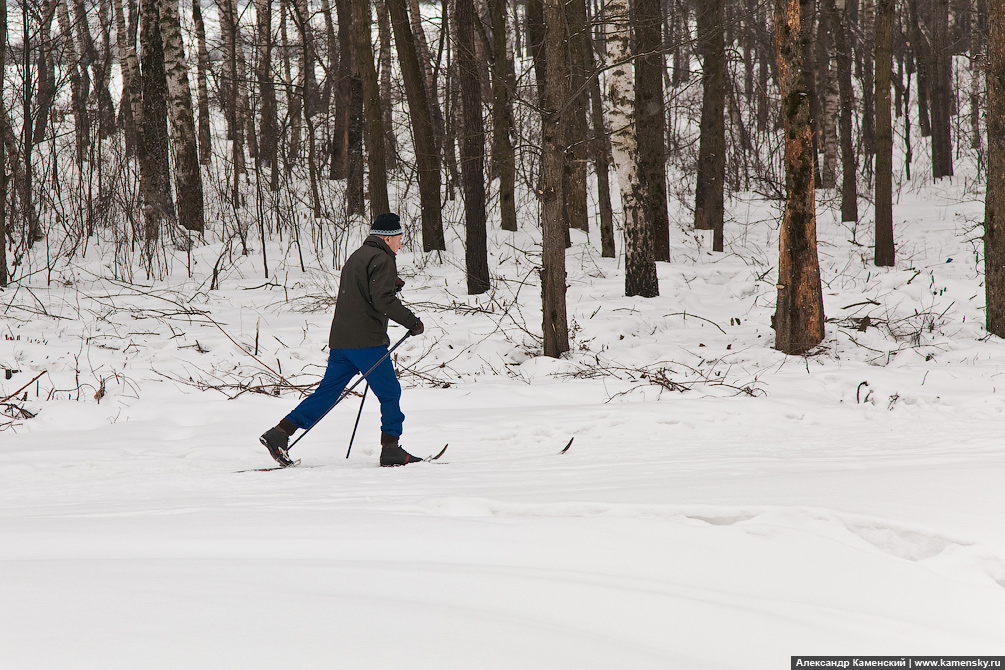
{"points": [[351, 439], [349, 390]]}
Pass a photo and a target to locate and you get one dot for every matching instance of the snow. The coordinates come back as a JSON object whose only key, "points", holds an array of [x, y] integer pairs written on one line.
{"points": [[754, 507]]}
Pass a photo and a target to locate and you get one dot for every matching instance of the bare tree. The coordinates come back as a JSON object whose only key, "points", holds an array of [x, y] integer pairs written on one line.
{"points": [[994, 204], [427, 155], [79, 89], [555, 97], [651, 122], [386, 98], [472, 150], [152, 146], [503, 88], [711, 168], [374, 126], [640, 263], [884, 252], [941, 91], [3, 153], [202, 85], [849, 166], [799, 316]]}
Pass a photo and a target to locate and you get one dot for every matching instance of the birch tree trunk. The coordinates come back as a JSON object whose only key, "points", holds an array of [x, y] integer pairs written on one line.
{"points": [[132, 102], [202, 85], [799, 316], [555, 96], [472, 151], [427, 155], [187, 174], [994, 204], [884, 251], [79, 89], [640, 264]]}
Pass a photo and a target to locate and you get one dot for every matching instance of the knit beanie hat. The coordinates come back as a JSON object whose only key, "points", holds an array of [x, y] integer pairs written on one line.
{"points": [[387, 224]]}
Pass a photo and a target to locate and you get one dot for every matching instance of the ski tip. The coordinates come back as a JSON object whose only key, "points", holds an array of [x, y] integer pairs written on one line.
{"points": [[566, 447], [442, 451]]}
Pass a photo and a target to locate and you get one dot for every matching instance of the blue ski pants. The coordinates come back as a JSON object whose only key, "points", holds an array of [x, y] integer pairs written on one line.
{"points": [[343, 365]]}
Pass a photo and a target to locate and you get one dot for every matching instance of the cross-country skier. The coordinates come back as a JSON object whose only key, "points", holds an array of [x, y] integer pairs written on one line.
{"points": [[366, 300]]}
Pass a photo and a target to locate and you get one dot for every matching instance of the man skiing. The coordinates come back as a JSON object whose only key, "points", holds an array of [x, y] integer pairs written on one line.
{"points": [[358, 339]]}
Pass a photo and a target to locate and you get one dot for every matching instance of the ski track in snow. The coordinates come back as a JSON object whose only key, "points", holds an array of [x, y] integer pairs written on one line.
{"points": [[848, 502]]}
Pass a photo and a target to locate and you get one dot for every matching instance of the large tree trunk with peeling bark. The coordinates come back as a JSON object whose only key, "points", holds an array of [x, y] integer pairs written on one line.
{"points": [[994, 204], [553, 157], [640, 263], [799, 316], [427, 155], [187, 174]]}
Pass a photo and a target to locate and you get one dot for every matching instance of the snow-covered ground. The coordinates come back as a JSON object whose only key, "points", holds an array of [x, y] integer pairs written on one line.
{"points": [[722, 506]]}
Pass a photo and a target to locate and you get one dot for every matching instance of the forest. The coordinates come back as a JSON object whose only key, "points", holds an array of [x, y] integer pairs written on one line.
{"points": [[158, 127]]}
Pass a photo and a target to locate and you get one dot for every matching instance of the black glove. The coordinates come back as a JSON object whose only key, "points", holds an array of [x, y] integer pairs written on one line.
{"points": [[398, 284], [417, 329]]}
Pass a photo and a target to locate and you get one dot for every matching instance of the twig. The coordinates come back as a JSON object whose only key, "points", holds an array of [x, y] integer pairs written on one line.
{"points": [[24, 387]]}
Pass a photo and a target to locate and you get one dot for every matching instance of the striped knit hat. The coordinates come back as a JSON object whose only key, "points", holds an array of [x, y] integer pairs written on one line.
{"points": [[387, 224]]}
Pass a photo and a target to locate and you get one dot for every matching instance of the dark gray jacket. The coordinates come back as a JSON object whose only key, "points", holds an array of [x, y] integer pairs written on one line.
{"points": [[366, 299]]}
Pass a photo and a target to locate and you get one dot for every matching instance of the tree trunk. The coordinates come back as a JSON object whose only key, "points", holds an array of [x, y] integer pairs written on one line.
{"points": [[348, 162], [827, 92], [427, 155], [994, 204], [884, 252], [799, 314], [187, 174], [202, 84], [574, 189], [268, 145], [651, 122], [923, 58], [472, 150], [46, 73], [849, 167], [386, 99], [711, 176], [432, 93], [85, 43], [374, 120], [868, 23], [79, 89], [503, 88], [640, 264], [942, 91], [308, 56], [3, 152], [555, 96], [152, 146], [602, 158]]}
